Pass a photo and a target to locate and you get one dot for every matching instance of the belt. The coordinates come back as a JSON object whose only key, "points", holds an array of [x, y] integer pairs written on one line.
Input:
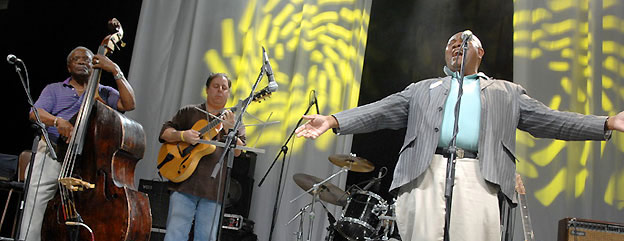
{"points": [[460, 153]]}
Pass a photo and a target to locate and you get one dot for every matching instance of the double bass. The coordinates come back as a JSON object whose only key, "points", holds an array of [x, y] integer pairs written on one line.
{"points": [[97, 199]]}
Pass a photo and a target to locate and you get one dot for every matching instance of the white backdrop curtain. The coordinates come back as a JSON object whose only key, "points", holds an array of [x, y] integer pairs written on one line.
{"points": [[570, 55]]}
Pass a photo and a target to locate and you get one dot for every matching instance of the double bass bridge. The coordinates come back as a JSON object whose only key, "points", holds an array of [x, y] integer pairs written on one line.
{"points": [[75, 184]]}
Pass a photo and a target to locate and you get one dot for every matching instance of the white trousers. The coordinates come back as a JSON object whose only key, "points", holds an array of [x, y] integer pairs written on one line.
{"points": [[41, 189], [475, 213]]}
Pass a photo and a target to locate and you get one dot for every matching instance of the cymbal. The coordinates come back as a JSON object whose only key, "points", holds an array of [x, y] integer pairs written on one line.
{"points": [[327, 192], [356, 164]]}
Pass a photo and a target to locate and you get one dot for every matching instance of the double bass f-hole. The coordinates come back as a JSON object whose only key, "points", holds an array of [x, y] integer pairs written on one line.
{"points": [[103, 177]]}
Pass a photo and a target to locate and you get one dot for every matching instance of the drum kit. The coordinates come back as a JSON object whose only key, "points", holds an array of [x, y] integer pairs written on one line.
{"points": [[365, 214]]}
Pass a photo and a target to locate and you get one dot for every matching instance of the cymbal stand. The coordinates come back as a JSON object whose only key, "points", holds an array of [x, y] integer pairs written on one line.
{"points": [[315, 191], [312, 215], [300, 214], [316, 186]]}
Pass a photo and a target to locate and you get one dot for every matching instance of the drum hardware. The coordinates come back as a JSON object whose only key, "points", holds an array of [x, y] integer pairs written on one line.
{"points": [[387, 230], [360, 220], [389, 222], [300, 214], [387, 226], [327, 192], [378, 209], [319, 189], [332, 221], [367, 216], [355, 163]]}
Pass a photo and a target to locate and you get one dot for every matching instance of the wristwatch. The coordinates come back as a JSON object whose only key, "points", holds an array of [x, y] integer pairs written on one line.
{"points": [[119, 75]]}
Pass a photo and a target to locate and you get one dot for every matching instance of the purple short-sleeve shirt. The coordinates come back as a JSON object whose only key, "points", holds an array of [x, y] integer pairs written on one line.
{"points": [[61, 100]]}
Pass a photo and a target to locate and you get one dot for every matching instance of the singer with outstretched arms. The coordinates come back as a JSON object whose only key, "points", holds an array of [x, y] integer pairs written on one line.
{"points": [[58, 103], [489, 113]]}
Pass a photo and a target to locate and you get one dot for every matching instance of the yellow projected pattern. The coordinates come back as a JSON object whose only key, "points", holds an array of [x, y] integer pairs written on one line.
{"points": [[547, 34], [312, 45]]}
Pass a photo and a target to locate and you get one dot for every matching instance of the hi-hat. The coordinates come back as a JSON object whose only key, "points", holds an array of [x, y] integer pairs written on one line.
{"points": [[327, 192], [352, 162]]}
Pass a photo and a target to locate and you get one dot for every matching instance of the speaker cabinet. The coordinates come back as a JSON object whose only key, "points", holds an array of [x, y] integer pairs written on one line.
{"points": [[241, 185], [158, 195], [575, 229]]}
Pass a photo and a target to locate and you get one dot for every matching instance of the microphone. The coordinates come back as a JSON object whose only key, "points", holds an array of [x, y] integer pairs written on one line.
{"points": [[372, 182], [269, 71], [376, 180], [12, 59], [314, 101], [466, 35]]}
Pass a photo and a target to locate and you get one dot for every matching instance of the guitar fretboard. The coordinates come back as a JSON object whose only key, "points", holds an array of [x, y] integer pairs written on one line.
{"points": [[526, 219]]}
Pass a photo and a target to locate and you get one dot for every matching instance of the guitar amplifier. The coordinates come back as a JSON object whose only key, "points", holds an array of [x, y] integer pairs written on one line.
{"points": [[575, 229], [158, 194]]}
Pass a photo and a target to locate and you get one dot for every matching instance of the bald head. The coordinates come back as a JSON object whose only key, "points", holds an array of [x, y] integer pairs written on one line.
{"points": [[453, 54], [473, 40]]}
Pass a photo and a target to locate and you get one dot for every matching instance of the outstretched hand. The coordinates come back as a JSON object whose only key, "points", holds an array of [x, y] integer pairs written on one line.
{"points": [[316, 126], [616, 122]]}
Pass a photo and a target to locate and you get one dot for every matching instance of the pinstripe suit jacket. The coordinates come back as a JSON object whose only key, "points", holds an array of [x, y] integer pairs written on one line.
{"points": [[505, 106]]}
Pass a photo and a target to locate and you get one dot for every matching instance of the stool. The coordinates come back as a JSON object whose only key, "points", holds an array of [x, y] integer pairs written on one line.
{"points": [[15, 183]]}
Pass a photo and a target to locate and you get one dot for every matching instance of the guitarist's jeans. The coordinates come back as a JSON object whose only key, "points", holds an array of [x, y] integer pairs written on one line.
{"points": [[183, 208], [421, 204], [35, 206]]}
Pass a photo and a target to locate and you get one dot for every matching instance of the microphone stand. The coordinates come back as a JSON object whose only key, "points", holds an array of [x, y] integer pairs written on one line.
{"points": [[283, 150], [41, 130], [230, 144], [450, 166]]}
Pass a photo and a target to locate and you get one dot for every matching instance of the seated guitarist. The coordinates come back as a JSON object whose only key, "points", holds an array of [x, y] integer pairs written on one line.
{"points": [[196, 198]]}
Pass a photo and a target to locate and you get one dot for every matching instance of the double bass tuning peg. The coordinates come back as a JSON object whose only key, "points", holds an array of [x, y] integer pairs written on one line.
{"points": [[121, 42]]}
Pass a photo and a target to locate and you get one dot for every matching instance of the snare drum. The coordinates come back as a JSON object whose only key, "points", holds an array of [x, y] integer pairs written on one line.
{"points": [[360, 218]]}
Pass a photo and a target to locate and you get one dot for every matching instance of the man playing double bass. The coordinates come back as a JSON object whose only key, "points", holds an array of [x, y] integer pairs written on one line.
{"points": [[58, 103]]}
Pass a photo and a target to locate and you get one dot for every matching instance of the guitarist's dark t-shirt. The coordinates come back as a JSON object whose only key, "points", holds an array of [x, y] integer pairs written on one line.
{"points": [[199, 183]]}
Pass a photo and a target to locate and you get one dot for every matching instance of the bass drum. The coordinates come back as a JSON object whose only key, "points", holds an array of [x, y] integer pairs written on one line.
{"points": [[360, 218]]}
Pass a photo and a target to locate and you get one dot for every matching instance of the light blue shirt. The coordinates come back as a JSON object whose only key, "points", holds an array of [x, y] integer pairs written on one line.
{"points": [[469, 114]]}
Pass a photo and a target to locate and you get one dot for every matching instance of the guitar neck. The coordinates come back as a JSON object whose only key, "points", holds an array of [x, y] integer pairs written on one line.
{"points": [[210, 126], [526, 219], [255, 97]]}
